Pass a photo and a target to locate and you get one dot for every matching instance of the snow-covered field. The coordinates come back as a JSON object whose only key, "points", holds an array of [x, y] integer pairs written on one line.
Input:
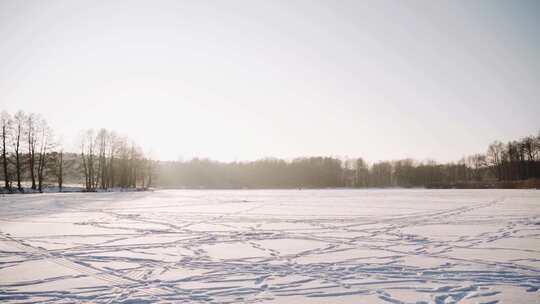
{"points": [[308, 246]]}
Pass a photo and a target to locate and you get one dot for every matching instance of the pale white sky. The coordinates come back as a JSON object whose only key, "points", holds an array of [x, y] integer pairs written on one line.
{"points": [[241, 80]]}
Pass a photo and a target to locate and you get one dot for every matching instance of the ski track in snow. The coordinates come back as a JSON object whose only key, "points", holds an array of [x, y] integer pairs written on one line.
{"points": [[272, 246]]}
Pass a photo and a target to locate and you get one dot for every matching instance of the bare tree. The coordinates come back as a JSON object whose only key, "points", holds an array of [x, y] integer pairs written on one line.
{"points": [[60, 167], [5, 125], [102, 140], [495, 158], [149, 173], [85, 167], [111, 162], [31, 141], [87, 156], [19, 121], [45, 144], [476, 163]]}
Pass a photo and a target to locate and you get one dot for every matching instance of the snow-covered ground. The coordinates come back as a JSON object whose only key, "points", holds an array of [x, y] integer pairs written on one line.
{"points": [[308, 246]]}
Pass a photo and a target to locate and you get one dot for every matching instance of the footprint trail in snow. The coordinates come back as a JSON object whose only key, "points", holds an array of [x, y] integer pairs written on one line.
{"points": [[272, 246]]}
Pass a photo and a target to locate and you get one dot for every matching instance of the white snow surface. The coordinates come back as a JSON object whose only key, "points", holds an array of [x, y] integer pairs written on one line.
{"points": [[271, 246]]}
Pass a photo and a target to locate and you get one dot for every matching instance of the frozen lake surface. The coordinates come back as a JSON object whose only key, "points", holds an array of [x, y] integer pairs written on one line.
{"points": [[275, 246]]}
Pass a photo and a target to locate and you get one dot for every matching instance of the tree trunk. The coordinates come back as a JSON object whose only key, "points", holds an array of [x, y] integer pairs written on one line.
{"points": [[18, 159], [4, 157], [32, 159], [60, 170], [41, 167]]}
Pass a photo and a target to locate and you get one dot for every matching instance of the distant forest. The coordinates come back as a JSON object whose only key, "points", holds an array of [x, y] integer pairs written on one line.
{"points": [[515, 164], [33, 159]]}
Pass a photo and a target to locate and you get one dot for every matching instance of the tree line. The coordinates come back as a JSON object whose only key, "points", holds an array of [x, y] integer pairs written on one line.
{"points": [[313, 172], [109, 161], [32, 158], [514, 161]]}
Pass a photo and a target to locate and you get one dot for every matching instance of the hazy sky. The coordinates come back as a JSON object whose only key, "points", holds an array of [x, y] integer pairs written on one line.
{"points": [[241, 80]]}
